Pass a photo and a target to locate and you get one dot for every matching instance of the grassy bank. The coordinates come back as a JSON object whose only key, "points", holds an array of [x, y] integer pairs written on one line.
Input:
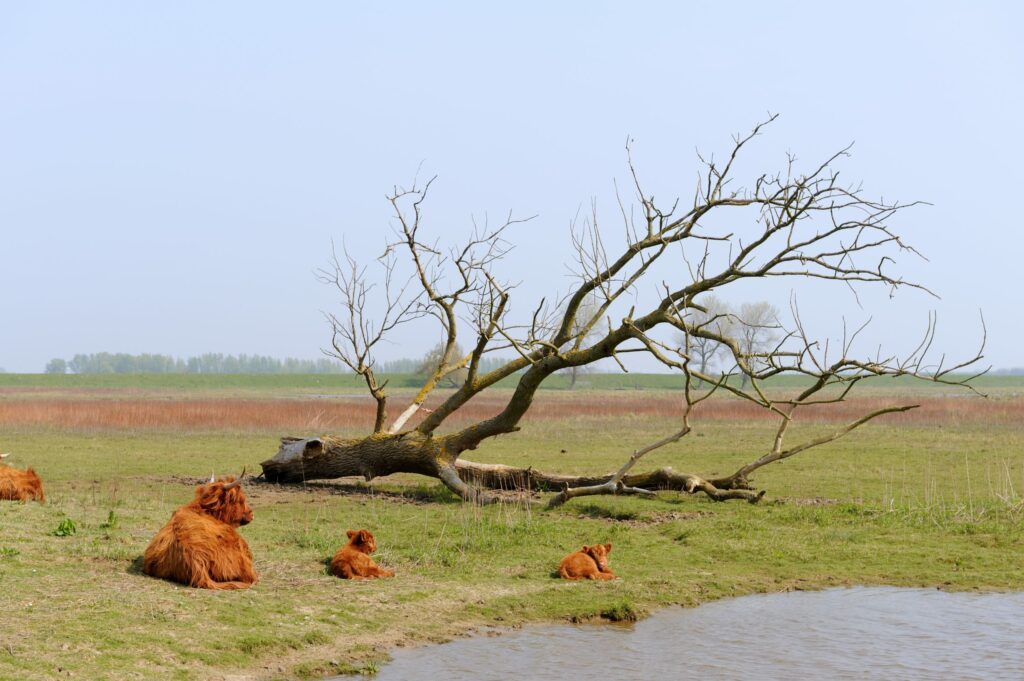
{"points": [[909, 504]]}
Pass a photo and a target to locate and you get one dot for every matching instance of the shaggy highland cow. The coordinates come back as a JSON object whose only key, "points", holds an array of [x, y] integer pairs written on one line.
{"points": [[352, 561], [590, 562], [200, 546], [18, 485]]}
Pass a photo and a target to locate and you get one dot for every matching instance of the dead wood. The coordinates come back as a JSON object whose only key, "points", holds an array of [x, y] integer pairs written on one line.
{"points": [[806, 227]]}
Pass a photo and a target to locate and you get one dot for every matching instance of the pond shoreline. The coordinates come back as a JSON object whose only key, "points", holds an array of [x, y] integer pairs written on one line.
{"points": [[874, 617], [384, 654]]}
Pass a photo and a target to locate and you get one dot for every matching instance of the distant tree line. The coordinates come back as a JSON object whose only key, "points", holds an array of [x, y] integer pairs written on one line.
{"points": [[405, 365], [216, 363], [423, 365], [209, 363]]}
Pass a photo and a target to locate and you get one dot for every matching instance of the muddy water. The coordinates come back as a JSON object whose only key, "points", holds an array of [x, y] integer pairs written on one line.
{"points": [[857, 633]]}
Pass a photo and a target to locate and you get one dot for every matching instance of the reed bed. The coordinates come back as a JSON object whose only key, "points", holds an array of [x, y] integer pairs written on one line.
{"points": [[351, 413]]}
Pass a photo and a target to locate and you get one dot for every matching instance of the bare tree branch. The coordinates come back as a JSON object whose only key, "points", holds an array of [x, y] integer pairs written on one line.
{"points": [[806, 227]]}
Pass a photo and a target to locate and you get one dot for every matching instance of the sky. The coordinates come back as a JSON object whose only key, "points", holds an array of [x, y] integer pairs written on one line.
{"points": [[172, 174]]}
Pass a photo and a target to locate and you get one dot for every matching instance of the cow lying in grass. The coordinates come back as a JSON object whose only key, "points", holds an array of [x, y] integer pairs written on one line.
{"points": [[200, 546], [590, 562], [352, 561], [18, 485]]}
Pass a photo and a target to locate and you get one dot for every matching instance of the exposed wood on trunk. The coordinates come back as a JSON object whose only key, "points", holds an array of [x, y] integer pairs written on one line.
{"points": [[404, 417]]}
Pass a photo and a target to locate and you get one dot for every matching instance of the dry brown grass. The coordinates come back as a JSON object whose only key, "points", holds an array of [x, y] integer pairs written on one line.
{"points": [[357, 414]]}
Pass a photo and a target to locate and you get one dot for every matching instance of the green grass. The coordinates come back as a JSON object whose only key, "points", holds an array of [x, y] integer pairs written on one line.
{"points": [[65, 528], [921, 506]]}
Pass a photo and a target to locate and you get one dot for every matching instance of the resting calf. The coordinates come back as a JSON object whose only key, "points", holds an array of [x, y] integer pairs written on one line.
{"points": [[352, 561], [590, 562]]}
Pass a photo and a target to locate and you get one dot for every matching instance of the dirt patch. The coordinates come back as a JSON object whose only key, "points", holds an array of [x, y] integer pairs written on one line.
{"points": [[669, 516], [647, 519], [806, 501]]}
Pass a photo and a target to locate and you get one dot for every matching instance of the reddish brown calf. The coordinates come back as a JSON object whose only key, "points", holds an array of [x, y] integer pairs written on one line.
{"points": [[352, 561], [590, 562]]}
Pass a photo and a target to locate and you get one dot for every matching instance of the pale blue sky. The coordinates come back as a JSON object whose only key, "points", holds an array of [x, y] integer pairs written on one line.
{"points": [[172, 173]]}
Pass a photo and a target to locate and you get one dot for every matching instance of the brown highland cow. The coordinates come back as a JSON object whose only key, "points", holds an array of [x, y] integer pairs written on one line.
{"points": [[18, 485], [200, 546], [590, 562], [352, 561]]}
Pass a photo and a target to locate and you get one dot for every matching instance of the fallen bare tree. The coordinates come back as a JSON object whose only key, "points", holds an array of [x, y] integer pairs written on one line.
{"points": [[806, 227]]}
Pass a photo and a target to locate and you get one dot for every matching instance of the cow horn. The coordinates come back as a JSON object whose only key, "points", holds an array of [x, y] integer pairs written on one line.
{"points": [[213, 478], [236, 483], [4, 456]]}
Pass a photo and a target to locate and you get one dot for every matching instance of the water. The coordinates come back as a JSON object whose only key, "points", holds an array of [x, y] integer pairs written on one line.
{"points": [[856, 633]]}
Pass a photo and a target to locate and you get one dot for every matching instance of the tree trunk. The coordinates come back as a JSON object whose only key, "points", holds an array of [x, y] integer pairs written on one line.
{"points": [[380, 454], [326, 458]]}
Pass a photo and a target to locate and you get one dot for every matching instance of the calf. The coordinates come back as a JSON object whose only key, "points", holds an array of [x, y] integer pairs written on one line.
{"points": [[200, 546], [352, 561], [590, 562]]}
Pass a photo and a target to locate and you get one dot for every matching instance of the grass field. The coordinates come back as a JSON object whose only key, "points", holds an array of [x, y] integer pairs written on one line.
{"points": [[931, 498]]}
